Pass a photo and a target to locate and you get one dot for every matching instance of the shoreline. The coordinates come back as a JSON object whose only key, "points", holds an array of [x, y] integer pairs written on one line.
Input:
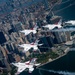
{"points": [[66, 51]]}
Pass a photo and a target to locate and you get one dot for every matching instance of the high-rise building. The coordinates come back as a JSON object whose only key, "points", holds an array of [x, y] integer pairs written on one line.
{"points": [[31, 25], [48, 17], [39, 23], [2, 38], [10, 58], [9, 48], [68, 34], [59, 37], [2, 64], [3, 61], [48, 42], [18, 27]]}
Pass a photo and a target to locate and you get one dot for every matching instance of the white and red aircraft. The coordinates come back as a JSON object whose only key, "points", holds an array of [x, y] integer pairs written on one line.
{"points": [[26, 65], [71, 22], [29, 46], [52, 26], [28, 31]]}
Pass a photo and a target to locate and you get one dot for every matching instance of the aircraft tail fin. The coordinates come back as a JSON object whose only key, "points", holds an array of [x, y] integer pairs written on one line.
{"points": [[35, 27], [35, 42], [60, 22], [32, 61]]}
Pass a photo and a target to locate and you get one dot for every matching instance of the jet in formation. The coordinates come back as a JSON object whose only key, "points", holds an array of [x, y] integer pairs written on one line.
{"points": [[28, 31], [27, 47], [26, 65], [52, 26]]}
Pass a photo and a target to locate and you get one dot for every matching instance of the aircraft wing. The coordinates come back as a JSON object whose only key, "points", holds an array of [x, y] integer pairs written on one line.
{"points": [[15, 64], [26, 32], [27, 62], [35, 47], [40, 44], [23, 45], [26, 49], [33, 61], [34, 31], [50, 26], [21, 69], [30, 70], [37, 64], [59, 26], [46, 26]]}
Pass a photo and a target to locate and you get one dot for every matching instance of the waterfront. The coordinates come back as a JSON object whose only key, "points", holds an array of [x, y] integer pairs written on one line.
{"points": [[62, 66], [67, 10]]}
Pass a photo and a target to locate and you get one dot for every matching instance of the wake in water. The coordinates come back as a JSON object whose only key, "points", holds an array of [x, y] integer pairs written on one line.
{"points": [[63, 72]]}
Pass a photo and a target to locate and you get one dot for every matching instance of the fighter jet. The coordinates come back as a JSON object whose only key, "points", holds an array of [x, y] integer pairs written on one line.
{"points": [[26, 65], [28, 31], [52, 26], [33, 45]]}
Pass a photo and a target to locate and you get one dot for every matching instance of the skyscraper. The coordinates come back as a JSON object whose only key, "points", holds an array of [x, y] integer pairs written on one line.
{"points": [[2, 38], [59, 37]]}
